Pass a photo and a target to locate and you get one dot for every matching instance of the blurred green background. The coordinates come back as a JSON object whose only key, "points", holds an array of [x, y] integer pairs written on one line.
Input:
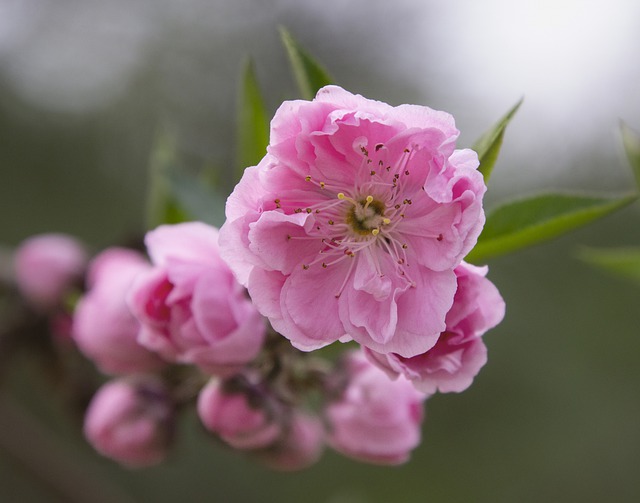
{"points": [[554, 416]]}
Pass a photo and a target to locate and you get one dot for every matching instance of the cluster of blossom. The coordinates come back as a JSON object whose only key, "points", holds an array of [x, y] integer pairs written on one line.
{"points": [[352, 228]]}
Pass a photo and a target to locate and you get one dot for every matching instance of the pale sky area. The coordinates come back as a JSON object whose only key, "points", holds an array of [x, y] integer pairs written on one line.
{"points": [[574, 61]]}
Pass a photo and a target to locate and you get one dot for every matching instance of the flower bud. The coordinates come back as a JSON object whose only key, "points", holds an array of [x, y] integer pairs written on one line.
{"points": [[376, 420], [241, 422], [46, 266], [300, 447], [191, 308], [131, 421], [103, 327]]}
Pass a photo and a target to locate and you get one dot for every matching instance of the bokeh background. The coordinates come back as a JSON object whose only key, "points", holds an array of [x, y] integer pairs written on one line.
{"points": [[555, 415]]}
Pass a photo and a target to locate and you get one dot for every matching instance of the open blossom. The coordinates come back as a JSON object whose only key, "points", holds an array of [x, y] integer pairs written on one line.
{"points": [[103, 327], [46, 266], [376, 419], [352, 224], [459, 353], [191, 308], [131, 421]]}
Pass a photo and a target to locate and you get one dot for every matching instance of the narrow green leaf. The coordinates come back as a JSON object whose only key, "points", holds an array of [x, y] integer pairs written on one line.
{"points": [[161, 206], [631, 142], [529, 221], [488, 145], [253, 122], [309, 74], [622, 262]]}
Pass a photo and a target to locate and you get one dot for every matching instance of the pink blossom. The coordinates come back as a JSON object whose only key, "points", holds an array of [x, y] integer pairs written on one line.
{"points": [[300, 447], [103, 327], [191, 307], [130, 421], [459, 353], [352, 224], [239, 422], [46, 266], [377, 420]]}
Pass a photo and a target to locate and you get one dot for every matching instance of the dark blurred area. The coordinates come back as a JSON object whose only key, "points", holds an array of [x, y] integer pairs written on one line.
{"points": [[554, 416]]}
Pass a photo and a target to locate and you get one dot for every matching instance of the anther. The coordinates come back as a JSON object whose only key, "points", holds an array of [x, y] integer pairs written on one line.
{"points": [[305, 266], [379, 146], [307, 178], [372, 172], [322, 185], [375, 232], [308, 210], [440, 237], [386, 221]]}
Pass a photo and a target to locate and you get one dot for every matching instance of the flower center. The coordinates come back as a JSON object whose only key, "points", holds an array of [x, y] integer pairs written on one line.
{"points": [[366, 216]]}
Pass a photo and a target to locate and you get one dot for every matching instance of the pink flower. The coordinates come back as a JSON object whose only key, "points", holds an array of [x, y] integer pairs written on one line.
{"points": [[459, 353], [352, 224], [300, 447], [47, 266], [130, 421], [239, 421], [191, 308], [103, 327], [376, 420]]}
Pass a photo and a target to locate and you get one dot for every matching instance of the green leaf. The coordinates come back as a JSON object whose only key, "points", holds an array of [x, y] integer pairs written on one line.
{"points": [[529, 221], [631, 142], [622, 262], [488, 145], [162, 207], [253, 122], [309, 74]]}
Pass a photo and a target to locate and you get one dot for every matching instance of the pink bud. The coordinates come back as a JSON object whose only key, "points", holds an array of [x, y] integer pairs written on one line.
{"points": [[376, 420], [239, 421], [191, 308], [130, 421], [46, 266], [299, 448], [103, 327]]}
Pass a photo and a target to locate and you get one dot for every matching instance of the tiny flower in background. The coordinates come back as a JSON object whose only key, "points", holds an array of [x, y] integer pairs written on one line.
{"points": [[376, 420], [191, 308], [131, 421], [241, 420], [351, 225], [300, 447], [459, 353], [103, 327], [47, 266]]}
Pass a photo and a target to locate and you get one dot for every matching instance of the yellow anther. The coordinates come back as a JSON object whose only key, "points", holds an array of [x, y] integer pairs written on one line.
{"points": [[386, 221], [375, 232], [308, 178], [369, 199], [341, 195]]}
